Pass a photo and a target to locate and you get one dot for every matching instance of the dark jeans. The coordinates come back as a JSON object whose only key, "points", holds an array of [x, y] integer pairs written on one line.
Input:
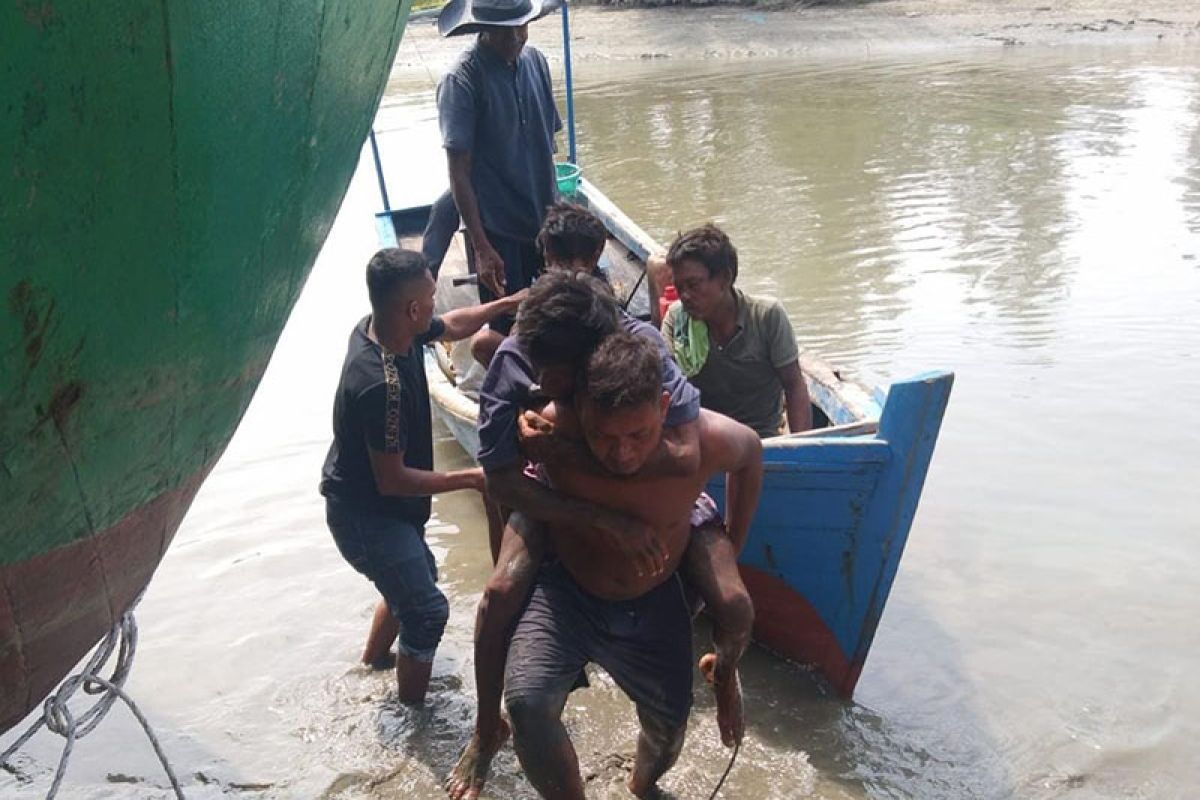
{"points": [[392, 553]]}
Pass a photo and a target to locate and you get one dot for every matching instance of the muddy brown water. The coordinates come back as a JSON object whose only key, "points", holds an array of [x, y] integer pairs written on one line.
{"points": [[1029, 217]]}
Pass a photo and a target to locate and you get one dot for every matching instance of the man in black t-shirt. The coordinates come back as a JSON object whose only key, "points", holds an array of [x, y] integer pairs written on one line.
{"points": [[379, 476]]}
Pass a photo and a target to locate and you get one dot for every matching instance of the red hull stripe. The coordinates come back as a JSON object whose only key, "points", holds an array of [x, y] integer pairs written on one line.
{"points": [[55, 606], [786, 623]]}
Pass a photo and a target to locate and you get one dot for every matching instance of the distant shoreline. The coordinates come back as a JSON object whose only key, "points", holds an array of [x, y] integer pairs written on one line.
{"points": [[641, 29]]}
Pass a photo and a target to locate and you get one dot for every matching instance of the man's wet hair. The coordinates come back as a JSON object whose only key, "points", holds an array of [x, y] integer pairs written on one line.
{"points": [[625, 371], [564, 319], [571, 232], [391, 268], [707, 245]]}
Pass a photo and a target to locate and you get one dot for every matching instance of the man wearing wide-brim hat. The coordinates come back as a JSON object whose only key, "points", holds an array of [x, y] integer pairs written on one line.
{"points": [[498, 120]]}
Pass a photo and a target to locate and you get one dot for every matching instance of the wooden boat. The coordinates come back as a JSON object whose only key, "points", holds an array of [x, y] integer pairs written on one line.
{"points": [[170, 172], [837, 502]]}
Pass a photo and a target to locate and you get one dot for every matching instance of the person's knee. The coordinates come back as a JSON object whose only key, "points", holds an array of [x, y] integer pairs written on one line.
{"points": [[530, 713], [664, 734], [484, 344], [513, 575], [503, 594], [422, 624], [733, 610], [498, 611], [479, 348]]}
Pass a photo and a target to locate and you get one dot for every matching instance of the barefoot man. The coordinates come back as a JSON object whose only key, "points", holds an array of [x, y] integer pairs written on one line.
{"points": [[590, 604], [566, 316], [378, 477]]}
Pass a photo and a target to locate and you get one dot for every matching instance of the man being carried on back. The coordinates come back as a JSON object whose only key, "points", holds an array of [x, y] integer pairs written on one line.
{"points": [[590, 604], [566, 317]]}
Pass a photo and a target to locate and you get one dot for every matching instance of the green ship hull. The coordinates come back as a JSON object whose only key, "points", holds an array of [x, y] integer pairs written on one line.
{"points": [[168, 173]]}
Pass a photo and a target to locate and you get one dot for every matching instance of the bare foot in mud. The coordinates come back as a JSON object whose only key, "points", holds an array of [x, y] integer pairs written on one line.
{"points": [[620, 767], [730, 719], [470, 773]]}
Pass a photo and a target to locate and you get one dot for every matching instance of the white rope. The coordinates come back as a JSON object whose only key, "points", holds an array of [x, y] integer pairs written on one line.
{"points": [[58, 718]]}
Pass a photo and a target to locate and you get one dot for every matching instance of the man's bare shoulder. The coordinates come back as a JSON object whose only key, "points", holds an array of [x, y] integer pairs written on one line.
{"points": [[725, 443]]}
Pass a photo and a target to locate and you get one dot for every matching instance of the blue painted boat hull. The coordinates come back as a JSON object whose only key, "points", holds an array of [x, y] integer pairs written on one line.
{"points": [[831, 526]]}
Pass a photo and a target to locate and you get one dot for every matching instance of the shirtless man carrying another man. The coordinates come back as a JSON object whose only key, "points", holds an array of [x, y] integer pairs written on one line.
{"points": [[590, 604]]}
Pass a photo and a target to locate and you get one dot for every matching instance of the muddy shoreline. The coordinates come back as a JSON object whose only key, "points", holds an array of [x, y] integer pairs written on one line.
{"points": [[608, 32]]}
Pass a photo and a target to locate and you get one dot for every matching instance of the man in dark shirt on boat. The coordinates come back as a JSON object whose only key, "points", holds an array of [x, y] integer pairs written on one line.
{"points": [[378, 476], [498, 120], [590, 603], [738, 350], [567, 315]]}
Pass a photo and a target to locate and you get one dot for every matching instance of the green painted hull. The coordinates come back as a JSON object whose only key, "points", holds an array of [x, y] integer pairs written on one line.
{"points": [[168, 173]]}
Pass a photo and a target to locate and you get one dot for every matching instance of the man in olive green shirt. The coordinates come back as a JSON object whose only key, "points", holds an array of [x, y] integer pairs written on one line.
{"points": [[739, 351]]}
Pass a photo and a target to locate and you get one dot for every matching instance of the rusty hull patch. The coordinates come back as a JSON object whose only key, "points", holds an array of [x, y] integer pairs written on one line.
{"points": [[35, 322], [64, 400]]}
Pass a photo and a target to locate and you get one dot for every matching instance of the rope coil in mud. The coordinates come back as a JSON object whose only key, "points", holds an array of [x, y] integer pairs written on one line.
{"points": [[58, 718]]}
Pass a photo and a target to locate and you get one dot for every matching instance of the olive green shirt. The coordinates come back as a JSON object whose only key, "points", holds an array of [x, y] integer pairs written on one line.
{"points": [[741, 379]]}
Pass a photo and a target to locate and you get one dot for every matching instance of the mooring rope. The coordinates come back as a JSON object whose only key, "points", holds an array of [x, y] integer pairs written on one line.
{"points": [[58, 718], [717, 789]]}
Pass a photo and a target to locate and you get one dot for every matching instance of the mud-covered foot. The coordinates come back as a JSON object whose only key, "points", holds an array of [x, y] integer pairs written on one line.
{"points": [[622, 768], [470, 773], [651, 792], [730, 719], [641, 788]]}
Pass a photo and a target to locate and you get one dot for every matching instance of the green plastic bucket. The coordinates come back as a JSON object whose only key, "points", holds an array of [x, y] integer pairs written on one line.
{"points": [[567, 177]]}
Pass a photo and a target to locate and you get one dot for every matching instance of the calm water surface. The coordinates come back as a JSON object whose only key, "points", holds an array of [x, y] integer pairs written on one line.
{"points": [[1028, 217]]}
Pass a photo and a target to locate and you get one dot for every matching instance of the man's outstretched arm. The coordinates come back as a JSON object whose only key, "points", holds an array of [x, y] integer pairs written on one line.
{"points": [[463, 322], [394, 478]]}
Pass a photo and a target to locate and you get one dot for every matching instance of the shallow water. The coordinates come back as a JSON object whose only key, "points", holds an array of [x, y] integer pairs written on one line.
{"points": [[1029, 217]]}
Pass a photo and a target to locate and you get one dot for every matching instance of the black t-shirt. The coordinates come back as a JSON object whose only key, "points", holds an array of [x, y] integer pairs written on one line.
{"points": [[382, 403]]}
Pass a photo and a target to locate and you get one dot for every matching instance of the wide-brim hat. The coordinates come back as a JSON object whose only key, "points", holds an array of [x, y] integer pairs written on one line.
{"points": [[460, 17]]}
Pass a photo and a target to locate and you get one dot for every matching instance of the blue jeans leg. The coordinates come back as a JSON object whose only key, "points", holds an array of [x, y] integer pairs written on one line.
{"points": [[392, 553]]}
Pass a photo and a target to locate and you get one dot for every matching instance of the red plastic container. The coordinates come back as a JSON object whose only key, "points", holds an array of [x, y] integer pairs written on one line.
{"points": [[668, 296]]}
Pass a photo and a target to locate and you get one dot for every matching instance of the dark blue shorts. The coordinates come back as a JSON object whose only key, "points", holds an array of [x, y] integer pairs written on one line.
{"points": [[392, 553], [522, 263], [645, 644]]}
